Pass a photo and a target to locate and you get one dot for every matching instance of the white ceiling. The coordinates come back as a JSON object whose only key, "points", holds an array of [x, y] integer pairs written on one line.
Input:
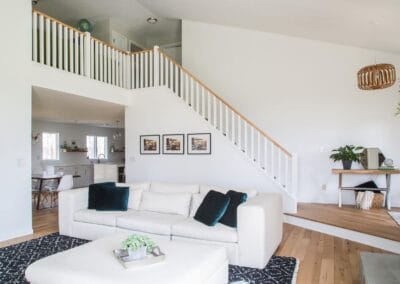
{"points": [[56, 106], [365, 23], [128, 15]]}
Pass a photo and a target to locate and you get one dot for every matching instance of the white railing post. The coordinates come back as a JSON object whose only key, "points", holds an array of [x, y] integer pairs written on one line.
{"points": [[86, 54], [156, 69]]}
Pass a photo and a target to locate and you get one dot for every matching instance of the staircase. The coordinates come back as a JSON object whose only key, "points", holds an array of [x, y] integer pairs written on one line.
{"points": [[61, 46]]}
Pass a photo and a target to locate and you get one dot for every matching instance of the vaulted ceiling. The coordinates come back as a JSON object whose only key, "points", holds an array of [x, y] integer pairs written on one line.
{"points": [[365, 23]]}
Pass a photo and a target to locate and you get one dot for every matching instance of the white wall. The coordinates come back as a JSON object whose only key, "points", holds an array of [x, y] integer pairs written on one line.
{"points": [[15, 112], [226, 166], [72, 132], [302, 92]]}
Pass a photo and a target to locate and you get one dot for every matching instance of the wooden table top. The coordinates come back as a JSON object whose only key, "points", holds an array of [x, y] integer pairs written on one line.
{"points": [[47, 177], [366, 172]]}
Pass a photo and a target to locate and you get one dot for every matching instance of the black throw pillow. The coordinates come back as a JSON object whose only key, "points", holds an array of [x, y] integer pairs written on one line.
{"points": [[230, 216], [212, 208], [92, 193], [111, 198]]}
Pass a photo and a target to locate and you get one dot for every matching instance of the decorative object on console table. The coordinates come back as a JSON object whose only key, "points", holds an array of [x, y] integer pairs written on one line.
{"points": [[174, 144], [347, 154], [138, 246], [371, 158], [199, 143], [149, 144]]}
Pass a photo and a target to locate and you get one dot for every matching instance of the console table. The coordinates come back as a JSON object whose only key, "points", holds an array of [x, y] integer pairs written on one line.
{"points": [[387, 173]]}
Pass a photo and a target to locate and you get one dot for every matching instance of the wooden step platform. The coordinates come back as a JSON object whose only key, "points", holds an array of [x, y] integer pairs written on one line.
{"points": [[375, 222]]}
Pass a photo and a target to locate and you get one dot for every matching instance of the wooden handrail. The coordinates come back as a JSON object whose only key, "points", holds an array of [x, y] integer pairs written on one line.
{"points": [[228, 105]]}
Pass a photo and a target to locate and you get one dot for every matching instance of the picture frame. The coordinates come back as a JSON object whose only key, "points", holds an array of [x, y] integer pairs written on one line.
{"points": [[149, 144], [173, 144], [199, 144]]}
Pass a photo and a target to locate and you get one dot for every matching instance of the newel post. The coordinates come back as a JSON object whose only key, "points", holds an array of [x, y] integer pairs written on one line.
{"points": [[156, 66], [86, 54]]}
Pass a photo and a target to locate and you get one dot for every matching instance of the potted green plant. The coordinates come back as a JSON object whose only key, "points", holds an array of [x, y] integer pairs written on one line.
{"points": [[347, 154], [138, 246]]}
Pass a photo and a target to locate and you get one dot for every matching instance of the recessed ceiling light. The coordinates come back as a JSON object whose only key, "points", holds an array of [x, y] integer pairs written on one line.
{"points": [[152, 20]]}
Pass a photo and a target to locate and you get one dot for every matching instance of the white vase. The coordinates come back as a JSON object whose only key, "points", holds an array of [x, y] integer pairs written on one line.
{"points": [[137, 254]]}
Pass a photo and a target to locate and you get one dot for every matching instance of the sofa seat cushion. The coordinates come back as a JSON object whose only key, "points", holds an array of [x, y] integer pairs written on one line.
{"points": [[193, 229], [106, 218], [149, 222]]}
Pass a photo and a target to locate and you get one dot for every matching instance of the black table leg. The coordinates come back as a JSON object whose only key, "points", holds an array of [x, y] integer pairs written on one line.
{"points": [[40, 191]]}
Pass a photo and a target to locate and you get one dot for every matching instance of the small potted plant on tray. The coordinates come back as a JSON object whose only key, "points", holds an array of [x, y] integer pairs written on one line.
{"points": [[347, 154], [138, 246]]}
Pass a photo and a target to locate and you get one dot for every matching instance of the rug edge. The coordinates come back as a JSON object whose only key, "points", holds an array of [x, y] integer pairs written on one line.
{"points": [[295, 271]]}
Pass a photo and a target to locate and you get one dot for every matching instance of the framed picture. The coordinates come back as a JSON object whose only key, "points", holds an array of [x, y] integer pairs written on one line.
{"points": [[174, 144], [199, 143], [149, 144]]}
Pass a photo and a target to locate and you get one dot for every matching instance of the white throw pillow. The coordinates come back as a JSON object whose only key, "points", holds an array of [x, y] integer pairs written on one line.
{"points": [[197, 199], [135, 193], [172, 203]]}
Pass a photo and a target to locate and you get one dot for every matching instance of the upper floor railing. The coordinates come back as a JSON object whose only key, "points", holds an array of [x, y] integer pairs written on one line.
{"points": [[61, 46]]}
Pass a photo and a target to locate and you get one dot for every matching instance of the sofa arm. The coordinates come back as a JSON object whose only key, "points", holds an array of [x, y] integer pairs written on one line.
{"points": [[70, 201], [260, 222]]}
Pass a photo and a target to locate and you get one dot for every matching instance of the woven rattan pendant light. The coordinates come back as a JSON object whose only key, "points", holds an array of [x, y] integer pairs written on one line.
{"points": [[378, 76]]}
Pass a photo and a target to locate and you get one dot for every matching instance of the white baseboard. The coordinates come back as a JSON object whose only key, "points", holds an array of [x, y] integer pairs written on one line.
{"points": [[17, 235], [354, 236]]}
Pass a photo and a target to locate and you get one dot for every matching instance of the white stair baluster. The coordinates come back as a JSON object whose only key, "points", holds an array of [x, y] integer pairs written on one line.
{"points": [[146, 69], [171, 75], [251, 143], [259, 152], [245, 138], [279, 175], [65, 49], [41, 39], [233, 127], [191, 92], [76, 53], [81, 49], [48, 34], [34, 37], [167, 75], [162, 81], [177, 89], [227, 120], [101, 63], [151, 69], [53, 44], [137, 71], [203, 102], [215, 112], [60, 45], [208, 106], [71, 51], [221, 117], [96, 60]]}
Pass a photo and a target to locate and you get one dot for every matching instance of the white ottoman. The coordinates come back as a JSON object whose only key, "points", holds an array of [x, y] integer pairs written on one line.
{"points": [[94, 262]]}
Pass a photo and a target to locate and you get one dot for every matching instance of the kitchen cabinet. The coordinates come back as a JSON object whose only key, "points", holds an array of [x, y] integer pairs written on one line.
{"points": [[85, 173]]}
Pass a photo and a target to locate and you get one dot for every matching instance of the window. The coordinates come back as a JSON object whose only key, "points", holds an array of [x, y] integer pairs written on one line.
{"points": [[97, 147], [50, 146]]}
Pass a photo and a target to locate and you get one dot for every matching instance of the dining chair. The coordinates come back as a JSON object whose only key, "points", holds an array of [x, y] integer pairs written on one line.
{"points": [[66, 183]]}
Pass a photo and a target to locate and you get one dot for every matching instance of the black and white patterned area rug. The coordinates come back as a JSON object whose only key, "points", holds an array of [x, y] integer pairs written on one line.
{"points": [[16, 258]]}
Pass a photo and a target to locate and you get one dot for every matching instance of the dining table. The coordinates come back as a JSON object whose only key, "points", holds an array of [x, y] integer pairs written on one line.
{"points": [[46, 177]]}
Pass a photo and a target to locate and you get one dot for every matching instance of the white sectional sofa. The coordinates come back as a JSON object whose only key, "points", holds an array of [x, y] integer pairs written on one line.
{"points": [[163, 210]]}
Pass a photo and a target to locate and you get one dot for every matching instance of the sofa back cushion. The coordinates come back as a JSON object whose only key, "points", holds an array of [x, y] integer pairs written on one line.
{"points": [[197, 199], [163, 187], [135, 193], [204, 189], [171, 203]]}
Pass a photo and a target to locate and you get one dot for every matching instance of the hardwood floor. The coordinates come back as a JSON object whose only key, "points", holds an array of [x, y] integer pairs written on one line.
{"points": [[376, 222], [323, 258]]}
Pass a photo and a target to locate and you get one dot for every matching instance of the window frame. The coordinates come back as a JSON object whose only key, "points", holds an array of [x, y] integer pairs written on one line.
{"points": [[95, 147], [57, 150]]}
